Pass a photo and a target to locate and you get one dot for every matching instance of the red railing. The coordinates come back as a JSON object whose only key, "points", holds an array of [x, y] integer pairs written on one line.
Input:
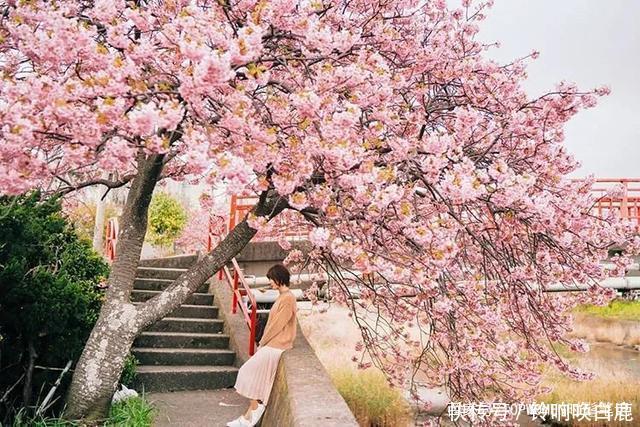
{"points": [[216, 233], [111, 239], [626, 205], [238, 293]]}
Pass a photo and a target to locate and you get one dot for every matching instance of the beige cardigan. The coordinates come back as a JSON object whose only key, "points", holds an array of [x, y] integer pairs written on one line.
{"points": [[281, 326]]}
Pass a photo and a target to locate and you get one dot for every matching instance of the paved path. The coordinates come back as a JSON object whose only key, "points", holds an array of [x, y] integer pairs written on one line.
{"points": [[211, 408]]}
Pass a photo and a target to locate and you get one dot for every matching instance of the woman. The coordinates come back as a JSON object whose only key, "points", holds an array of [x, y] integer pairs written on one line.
{"points": [[256, 376]]}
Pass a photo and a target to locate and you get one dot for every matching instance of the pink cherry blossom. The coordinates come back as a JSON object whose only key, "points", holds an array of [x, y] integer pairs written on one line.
{"points": [[319, 237]]}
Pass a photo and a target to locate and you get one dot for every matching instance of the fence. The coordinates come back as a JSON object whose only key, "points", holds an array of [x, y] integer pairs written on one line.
{"points": [[626, 204]]}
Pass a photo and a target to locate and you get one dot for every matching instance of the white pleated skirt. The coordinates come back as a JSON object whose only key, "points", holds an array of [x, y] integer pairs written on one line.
{"points": [[255, 378]]}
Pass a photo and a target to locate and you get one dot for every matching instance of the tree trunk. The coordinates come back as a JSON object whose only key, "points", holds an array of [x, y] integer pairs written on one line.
{"points": [[28, 381], [269, 205], [99, 368], [96, 375], [160, 305]]}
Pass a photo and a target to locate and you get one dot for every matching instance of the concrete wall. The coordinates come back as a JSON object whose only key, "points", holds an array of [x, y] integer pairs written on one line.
{"points": [[257, 257], [303, 394]]}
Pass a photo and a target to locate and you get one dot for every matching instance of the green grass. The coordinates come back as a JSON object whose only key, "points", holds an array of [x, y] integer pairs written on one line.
{"points": [[132, 412], [617, 309], [22, 421], [372, 401]]}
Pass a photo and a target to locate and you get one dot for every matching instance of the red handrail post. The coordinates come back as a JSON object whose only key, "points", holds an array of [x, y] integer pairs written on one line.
{"points": [[235, 291], [624, 211], [252, 331], [254, 306]]}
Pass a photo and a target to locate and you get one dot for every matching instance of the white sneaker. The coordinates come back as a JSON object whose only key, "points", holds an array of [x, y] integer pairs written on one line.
{"points": [[241, 421], [257, 413]]}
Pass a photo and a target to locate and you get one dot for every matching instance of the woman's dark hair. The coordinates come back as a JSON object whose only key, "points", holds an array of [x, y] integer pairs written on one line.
{"points": [[279, 274]]}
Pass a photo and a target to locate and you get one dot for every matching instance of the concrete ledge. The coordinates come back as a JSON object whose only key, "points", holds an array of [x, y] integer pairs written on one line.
{"points": [[269, 251], [303, 394]]}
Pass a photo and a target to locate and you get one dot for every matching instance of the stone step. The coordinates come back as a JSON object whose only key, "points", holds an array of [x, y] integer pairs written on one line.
{"points": [[185, 324], [177, 378], [160, 285], [193, 299], [181, 340], [159, 273], [178, 261], [193, 311], [184, 356]]}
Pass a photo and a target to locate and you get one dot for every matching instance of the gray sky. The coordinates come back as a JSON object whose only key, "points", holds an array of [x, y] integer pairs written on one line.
{"points": [[589, 42]]}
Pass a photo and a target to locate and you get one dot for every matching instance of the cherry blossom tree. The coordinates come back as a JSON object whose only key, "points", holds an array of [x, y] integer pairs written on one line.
{"points": [[382, 122]]}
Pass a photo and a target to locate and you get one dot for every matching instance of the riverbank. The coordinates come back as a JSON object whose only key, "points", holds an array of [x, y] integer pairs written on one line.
{"points": [[595, 328]]}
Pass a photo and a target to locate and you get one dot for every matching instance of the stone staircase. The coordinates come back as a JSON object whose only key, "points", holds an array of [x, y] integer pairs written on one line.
{"points": [[187, 350]]}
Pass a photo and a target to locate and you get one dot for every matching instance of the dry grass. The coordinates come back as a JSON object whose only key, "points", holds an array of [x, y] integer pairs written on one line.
{"points": [[610, 385], [613, 390], [601, 329], [372, 401], [333, 336]]}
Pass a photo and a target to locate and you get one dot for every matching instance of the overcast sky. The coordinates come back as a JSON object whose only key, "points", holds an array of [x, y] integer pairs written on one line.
{"points": [[592, 43]]}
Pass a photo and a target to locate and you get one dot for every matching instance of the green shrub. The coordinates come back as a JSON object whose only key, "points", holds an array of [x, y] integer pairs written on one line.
{"points": [[129, 372], [167, 219], [49, 298], [370, 398]]}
